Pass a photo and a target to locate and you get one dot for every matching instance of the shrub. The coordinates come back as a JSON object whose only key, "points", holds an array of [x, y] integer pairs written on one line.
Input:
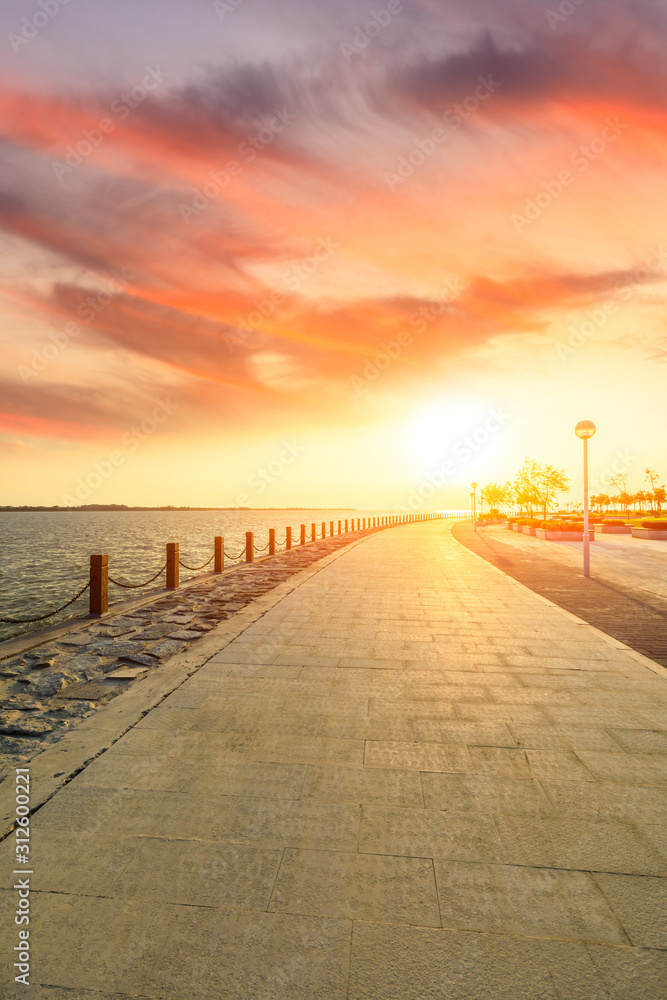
{"points": [[655, 525], [617, 521]]}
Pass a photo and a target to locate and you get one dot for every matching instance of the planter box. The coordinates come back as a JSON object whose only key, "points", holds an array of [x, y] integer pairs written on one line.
{"points": [[616, 529], [649, 533], [563, 536], [516, 527], [527, 530]]}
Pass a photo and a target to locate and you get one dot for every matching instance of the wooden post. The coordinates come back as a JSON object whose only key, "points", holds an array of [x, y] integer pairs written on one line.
{"points": [[324, 529], [347, 521], [303, 534], [99, 585], [172, 565], [288, 538], [313, 531], [219, 561], [249, 546], [339, 527], [331, 531], [272, 541]]}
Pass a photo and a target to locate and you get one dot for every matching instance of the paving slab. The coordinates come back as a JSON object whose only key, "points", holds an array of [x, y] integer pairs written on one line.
{"points": [[404, 777]]}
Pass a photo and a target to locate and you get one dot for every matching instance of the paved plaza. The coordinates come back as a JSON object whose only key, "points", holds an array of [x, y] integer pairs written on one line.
{"points": [[410, 779]]}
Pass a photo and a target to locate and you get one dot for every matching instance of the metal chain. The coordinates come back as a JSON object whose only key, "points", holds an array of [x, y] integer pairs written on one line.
{"points": [[234, 558], [194, 569], [41, 618], [138, 586]]}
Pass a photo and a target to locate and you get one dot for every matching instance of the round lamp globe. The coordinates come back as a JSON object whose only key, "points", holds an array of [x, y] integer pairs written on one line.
{"points": [[585, 429]]}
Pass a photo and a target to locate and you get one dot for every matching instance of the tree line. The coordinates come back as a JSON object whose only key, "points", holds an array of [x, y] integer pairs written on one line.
{"points": [[537, 486]]}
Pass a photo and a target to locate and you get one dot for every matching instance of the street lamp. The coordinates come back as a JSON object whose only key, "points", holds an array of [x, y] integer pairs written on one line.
{"points": [[474, 505], [584, 430]]}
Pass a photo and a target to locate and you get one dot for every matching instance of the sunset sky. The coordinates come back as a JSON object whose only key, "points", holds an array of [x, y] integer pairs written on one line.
{"points": [[315, 252]]}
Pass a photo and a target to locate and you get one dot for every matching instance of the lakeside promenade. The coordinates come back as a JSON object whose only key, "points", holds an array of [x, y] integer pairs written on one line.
{"points": [[409, 779]]}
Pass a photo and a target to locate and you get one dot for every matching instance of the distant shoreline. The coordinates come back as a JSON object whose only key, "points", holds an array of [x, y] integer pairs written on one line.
{"points": [[95, 508]]}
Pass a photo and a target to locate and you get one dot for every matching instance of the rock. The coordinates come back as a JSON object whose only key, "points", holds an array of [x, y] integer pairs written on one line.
{"points": [[43, 652], [154, 632], [83, 663], [116, 649], [185, 635], [15, 745], [44, 664], [50, 683], [163, 650], [14, 667], [128, 673], [76, 639], [99, 648], [76, 709], [119, 624], [141, 658], [22, 703], [179, 619], [88, 692], [18, 724]]}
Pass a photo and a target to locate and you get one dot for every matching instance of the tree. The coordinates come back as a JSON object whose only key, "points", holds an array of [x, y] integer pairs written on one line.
{"points": [[626, 499], [605, 500], [660, 497], [496, 495], [539, 485], [643, 497], [652, 476]]}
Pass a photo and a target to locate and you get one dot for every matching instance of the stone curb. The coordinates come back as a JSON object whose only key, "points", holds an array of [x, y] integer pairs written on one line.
{"points": [[657, 668], [62, 761]]}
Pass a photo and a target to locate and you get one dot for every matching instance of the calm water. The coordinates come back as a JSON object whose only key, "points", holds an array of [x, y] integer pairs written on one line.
{"points": [[44, 557]]}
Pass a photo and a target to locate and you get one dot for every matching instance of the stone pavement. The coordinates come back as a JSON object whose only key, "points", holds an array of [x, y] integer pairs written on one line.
{"points": [[411, 779], [630, 606]]}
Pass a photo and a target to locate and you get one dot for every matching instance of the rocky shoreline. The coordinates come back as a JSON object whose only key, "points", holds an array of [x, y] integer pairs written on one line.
{"points": [[47, 689]]}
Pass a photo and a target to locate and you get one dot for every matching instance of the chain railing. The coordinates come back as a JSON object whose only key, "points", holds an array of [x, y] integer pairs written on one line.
{"points": [[195, 569], [138, 586], [49, 614], [99, 580]]}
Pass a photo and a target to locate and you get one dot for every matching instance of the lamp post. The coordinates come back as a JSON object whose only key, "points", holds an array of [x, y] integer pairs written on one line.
{"points": [[584, 430], [474, 505]]}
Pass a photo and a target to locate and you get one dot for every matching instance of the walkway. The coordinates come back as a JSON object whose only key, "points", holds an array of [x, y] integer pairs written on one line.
{"points": [[411, 779]]}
